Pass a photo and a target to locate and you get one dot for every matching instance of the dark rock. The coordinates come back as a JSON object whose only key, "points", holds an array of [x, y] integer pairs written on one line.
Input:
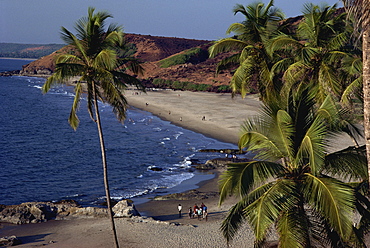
{"points": [[155, 168], [68, 202], [195, 161], [104, 203], [206, 166], [9, 241], [9, 73], [225, 151]]}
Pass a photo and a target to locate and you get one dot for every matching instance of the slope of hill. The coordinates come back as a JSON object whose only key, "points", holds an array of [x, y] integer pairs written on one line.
{"points": [[151, 50], [35, 51]]}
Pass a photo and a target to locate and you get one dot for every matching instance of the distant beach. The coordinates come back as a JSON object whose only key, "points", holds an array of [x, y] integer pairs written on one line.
{"points": [[218, 116]]}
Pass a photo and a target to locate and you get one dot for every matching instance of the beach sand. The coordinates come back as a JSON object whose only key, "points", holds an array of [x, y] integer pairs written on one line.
{"points": [[217, 116]]}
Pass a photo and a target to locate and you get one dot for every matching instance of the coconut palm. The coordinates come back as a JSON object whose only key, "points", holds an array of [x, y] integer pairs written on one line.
{"points": [[315, 55], [360, 9], [94, 59], [248, 45], [292, 184]]}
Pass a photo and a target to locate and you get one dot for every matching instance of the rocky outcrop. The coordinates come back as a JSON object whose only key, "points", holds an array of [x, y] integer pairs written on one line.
{"points": [[125, 208], [206, 166], [223, 162], [189, 195], [36, 212]]}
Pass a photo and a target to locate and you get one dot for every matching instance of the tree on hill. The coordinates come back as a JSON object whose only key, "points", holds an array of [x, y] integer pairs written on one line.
{"points": [[315, 55], [292, 185], [96, 59], [249, 43], [360, 9]]}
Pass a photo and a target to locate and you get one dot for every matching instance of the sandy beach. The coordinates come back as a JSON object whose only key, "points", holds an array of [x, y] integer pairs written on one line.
{"points": [[215, 115]]}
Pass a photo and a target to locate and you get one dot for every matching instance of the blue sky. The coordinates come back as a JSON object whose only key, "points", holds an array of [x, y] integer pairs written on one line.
{"points": [[39, 21]]}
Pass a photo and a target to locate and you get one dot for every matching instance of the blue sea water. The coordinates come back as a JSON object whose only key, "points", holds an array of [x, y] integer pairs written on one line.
{"points": [[43, 159]]}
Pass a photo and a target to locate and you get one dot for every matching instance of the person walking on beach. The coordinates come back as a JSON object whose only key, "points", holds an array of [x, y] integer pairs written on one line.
{"points": [[179, 207], [199, 213], [195, 210], [190, 212], [205, 213]]}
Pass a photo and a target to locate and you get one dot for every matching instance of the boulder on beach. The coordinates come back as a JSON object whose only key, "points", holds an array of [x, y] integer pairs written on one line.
{"points": [[9, 241], [125, 208]]}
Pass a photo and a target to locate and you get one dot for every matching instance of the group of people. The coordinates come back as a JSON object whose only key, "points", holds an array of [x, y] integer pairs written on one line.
{"points": [[198, 212]]}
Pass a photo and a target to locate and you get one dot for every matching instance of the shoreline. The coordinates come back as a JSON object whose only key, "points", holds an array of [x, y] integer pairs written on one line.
{"points": [[215, 115], [223, 117]]}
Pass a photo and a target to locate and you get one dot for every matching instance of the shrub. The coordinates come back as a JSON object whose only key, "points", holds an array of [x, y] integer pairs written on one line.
{"points": [[204, 87], [193, 55], [224, 88]]}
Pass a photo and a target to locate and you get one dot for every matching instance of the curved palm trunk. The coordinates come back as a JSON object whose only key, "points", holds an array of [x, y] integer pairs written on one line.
{"points": [[105, 169], [366, 83]]}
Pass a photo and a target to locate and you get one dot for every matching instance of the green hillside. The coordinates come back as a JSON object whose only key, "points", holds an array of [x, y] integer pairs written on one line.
{"points": [[16, 50]]}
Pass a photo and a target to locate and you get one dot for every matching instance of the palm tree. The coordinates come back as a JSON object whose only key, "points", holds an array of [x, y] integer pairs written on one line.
{"points": [[94, 58], [254, 63], [316, 53], [292, 183], [360, 9]]}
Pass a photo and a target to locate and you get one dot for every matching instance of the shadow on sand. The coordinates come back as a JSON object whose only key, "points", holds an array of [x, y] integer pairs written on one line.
{"points": [[33, 238]]}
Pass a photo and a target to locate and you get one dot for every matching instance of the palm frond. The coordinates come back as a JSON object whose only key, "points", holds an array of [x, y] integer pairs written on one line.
{"points": [[293, 229], [258, 141], [347, 164], [240, 82], [71, 39], [240, 178], [237, 28], [351, 89], [329, 81], [333, 199], [312, 146], [283, 43], [228, 62], [106, 59], [233, 221], [226, 45], [338, 41], [73, 119], [264, 211]]}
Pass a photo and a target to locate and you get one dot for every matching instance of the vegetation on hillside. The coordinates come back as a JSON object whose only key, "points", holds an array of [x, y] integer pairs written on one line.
{"points": [[190, 86], [193, 55], [34, 51]]}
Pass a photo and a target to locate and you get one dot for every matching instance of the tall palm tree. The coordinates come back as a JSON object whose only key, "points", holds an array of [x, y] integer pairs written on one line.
{"points": [[254, 63], [314, 56], [94, 58], [292, 184], [361, 10]]}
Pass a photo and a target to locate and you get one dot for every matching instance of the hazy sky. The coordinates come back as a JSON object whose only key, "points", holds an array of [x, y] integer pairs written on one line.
{"points": [[39, 21]]}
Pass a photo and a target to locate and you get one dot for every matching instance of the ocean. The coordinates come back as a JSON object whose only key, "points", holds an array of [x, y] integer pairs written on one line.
{"points": [[43, 159]]}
